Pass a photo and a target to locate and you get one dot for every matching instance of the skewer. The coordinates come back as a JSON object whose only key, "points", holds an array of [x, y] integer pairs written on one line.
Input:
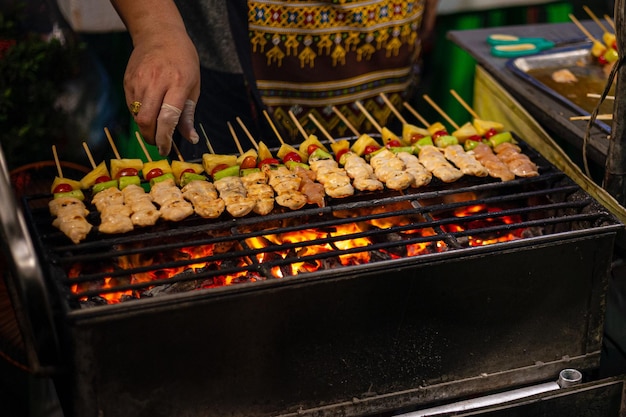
{"points": [[206, 138], [393, 108], [345, 120], [414, 112], [235, 138], [143, 146], [247, 132], [582, 28], [180, 156], [595, 19], [464, 104], [440, 111], [56, 161], [610, 21], [88, 152], [273, 126], [321, 128], [298, 125], [369, 117], [112, 143]]}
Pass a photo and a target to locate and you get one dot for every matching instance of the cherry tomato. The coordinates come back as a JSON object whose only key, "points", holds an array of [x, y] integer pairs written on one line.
{"points": [[341, 153], [103, 178], [292, 156], [312, 149], [415, 137], [475, 138], [440, 133], [370, 148], [218, 168], [127, 172], [269, 161], [602, 60], [490, 133], [248, 162], [62, 188], [394, 143], [190, 170], [153, 173]]}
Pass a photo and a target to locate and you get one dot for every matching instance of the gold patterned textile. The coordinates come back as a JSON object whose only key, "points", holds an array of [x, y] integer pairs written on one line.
{"points": [[308, 56]]}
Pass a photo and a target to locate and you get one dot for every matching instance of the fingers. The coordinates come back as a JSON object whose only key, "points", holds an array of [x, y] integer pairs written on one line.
{"points": [[166, 123], [185, 124]]}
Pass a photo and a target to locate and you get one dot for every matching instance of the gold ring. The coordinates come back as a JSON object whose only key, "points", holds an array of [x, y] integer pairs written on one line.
{"points": [[134, 107]]}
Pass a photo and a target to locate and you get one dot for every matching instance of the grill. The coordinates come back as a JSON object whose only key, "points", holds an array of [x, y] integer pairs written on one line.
{"points": [[376, 303]]}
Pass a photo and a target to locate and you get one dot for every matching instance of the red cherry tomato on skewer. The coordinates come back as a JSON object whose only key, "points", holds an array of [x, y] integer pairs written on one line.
{"points": [[440, 133], [62, 188], [248, 162], [128, 172], [311, 149], [218, 168], [190, 170], [292, 156], [394, 143], [153, 173], [103, 178], [370, 148], [269, 161], [340, 154], [490, 133], [415, 137]]}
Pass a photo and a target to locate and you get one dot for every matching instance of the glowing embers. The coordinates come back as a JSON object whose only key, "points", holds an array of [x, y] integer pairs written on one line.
{"points": [[481, 225], [158, 272]]}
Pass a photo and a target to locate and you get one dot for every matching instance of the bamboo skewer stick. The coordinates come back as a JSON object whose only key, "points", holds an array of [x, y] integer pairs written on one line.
{"points": [[235, 138], [321, 128], [112, 143], [143, 146], [247, 132], [595, 19], [345, 120], [277, 133], [393, 108], [180, 156], [206, 138], [56, 161], [605, 116], [414, 112], [89, 156], [582, 28], [298, 125], [610, 21], [369, 117], [440, 111], [463, 103]]}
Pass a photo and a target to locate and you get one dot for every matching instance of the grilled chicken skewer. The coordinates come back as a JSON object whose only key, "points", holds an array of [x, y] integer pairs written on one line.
{"points": [[335, 180]]}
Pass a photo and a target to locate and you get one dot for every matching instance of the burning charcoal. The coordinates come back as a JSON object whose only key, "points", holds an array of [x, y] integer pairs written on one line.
{"points": [[376, 256], [93, 302], [175, 288]]}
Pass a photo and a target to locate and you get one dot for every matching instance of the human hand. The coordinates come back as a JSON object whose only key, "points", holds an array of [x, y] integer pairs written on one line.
{"points": [[163, 74]]}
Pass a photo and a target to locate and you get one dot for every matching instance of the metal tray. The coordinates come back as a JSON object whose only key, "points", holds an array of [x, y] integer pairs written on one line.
{"points": [[535, 69]]}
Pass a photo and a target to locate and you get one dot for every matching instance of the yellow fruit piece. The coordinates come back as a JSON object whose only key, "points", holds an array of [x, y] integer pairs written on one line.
{"points": [[608, 39], [387, 136], [62, 180], [285, 149], [363, 142], [178, 167], [409, 131], [119, 164], [598, 49], [90, 178], [339, 146], [264, 152], [466, 131], [436, 127], [250, 152], [211, 160], [483, 126], [162, 164], [311, 140]]}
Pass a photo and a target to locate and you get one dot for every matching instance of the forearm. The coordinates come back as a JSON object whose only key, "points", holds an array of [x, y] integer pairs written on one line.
{"points": [[146, 18]]}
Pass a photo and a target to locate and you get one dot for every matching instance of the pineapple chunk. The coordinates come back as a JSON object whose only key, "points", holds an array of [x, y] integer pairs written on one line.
{"points": [[409, 131], [363, 142], [250, 152], [483, 126], [162, 164], [387, 136], [311, 140], [211, 160], [436, 127], [118, 165], [178, 167], [339, 146], [264, 152], [285, 149], [464, 132], [62, 180], [90, 178]]}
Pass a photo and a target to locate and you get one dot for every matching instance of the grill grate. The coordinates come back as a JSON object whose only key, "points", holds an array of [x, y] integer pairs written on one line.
{"points": [[391, 227]]}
